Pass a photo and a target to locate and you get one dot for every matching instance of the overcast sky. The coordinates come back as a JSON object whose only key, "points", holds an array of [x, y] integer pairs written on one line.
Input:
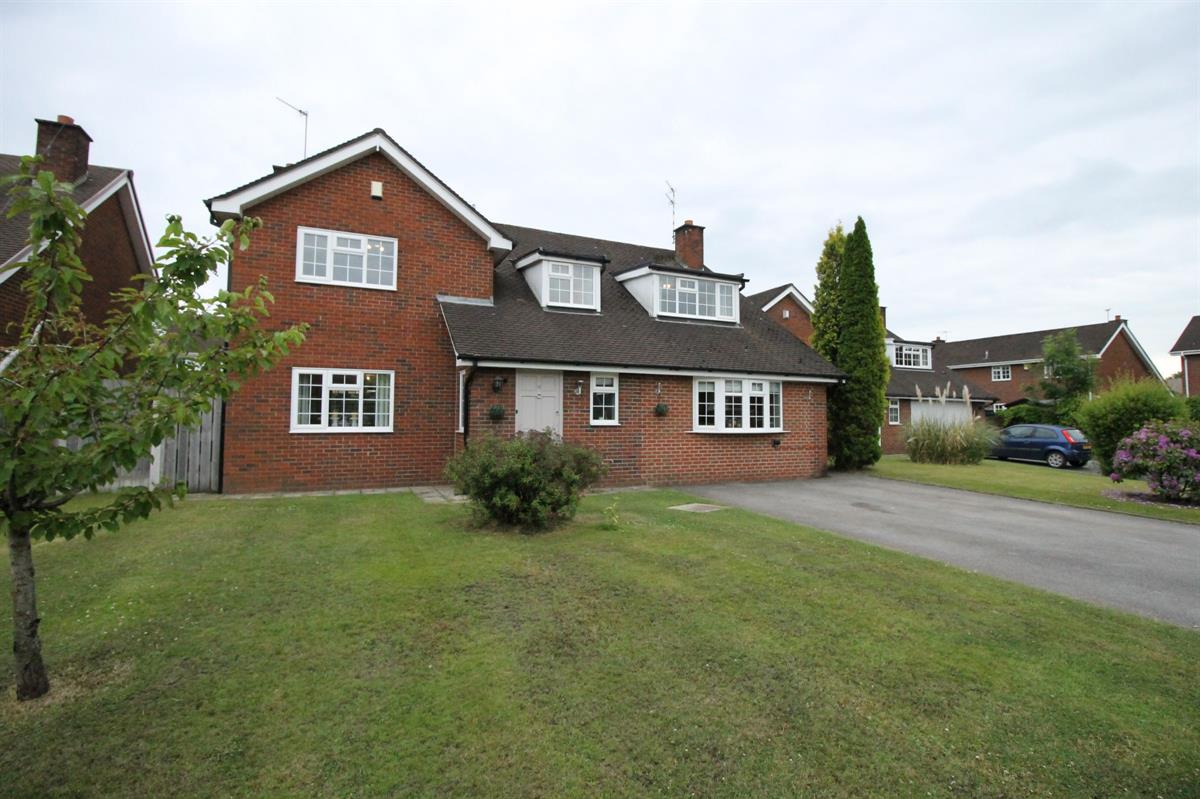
{"points": [[1018, 166]]}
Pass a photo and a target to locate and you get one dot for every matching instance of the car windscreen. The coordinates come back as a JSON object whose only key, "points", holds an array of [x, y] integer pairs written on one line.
{"points": [[1076, 435]]}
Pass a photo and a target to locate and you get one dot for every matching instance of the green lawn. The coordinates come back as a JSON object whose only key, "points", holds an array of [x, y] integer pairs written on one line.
{"points": [[376, 646], [1077, 487]]}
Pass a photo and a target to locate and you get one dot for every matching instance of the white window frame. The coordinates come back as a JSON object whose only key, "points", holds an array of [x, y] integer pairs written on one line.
{"points": [[921, 353], [332, 236], [1001, 374], [615, 390], [894, 412], [548, 273], [748, 390], [661, 279], [326, 382], [462, 399]]}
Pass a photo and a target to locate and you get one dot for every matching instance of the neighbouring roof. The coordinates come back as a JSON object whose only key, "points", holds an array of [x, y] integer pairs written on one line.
{"points": [[236, 201], [517, 329], [1023, 347], [766, 299], [14, 232], [905, 382], [1189, 339]]}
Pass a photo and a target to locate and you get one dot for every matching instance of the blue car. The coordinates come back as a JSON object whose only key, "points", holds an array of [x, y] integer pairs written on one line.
{"points": [[1052, 444]]}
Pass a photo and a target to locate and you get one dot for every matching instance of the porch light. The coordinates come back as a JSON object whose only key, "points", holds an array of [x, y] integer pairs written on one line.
{"points": [[498, 383], [578, 387]]}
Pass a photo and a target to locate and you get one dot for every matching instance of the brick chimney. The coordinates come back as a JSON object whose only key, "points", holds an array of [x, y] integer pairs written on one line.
{"points": [[883, 315], [1117, 318], [64, 146], [689, 244]]}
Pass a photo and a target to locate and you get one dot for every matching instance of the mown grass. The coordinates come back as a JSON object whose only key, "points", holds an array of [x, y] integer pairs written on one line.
{"points": [[1036, 481], [376, 646]]}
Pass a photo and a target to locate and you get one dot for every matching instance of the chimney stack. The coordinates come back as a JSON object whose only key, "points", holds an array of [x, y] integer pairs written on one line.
{"points": [[64, 147], [883, 316], [689, 244], [1117, 318]]}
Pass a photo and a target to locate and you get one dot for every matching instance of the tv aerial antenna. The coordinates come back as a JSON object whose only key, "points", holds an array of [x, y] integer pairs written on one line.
{"points": [[670, 195], [303, 114]]}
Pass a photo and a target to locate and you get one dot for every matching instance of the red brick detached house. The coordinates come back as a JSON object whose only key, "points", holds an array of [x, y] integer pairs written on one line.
{"points": [[1188, 350], [115, 247], [1006, 365], [432, 326]]}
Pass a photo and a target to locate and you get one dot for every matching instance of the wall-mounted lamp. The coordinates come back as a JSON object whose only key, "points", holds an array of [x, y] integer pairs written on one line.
{"points": [[775, 442], [498, 383], [578, 387], [658, 389]]}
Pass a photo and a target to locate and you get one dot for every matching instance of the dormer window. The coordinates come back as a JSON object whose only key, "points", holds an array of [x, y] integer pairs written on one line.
{"points": [[696, 298], [562, 281], [911, 356]]}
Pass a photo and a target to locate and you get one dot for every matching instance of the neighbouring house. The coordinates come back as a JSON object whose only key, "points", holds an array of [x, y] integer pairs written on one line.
{"points": [[1007, 365], [918, 376], [1188, 350], [432, 326], [114, 246]]}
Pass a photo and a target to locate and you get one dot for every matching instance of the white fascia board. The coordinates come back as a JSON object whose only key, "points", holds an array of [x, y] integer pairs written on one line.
{"points": [[94, 202], [642, 271], [535, 256], [237, 203], [992, 363], [451, 299], [635, 370], [795, 292], [1184, 352], [1136, 346], [631, 274]]}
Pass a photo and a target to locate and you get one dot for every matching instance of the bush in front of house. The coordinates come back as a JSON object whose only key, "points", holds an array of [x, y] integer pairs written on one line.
{"points": [[532, 480], [1164, 455], [1126, 407], [1193, 404], [935, 441], [1025, 413]]}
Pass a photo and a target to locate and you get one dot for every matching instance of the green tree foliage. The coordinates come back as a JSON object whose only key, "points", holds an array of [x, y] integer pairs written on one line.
{"points": [[826, 318], [118, 388], [1122, 410], [856, 407], [1070, 376]]}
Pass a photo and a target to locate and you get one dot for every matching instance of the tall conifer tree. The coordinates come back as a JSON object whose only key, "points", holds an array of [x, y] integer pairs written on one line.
{"points": [[856, 407], [826, 313]]}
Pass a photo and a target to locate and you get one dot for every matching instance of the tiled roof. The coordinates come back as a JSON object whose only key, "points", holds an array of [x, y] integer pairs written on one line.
{"points": [[517, 328], [1189, 339], [905, 382], [1017, 347], [14, 232]]}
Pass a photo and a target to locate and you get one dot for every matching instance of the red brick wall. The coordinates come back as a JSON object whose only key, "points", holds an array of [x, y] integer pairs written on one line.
{"points": [[106, 252], [663, 450], [1004, 390], [1190, 365], [798, 323], [893, 434], [1120, 360], [357, 328]]}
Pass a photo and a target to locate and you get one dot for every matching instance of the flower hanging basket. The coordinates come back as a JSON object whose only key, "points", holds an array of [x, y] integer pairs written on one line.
{"points": [[660, 409], [496, 413]]}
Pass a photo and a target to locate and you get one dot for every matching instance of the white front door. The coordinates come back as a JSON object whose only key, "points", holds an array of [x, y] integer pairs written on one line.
{"points": [[539, 401]]}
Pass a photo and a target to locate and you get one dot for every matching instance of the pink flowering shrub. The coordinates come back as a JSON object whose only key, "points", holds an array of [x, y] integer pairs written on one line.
{"points": [[1165, 455]]}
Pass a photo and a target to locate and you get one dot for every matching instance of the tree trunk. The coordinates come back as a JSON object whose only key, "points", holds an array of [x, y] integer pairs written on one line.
{"points": [[32, 681]]}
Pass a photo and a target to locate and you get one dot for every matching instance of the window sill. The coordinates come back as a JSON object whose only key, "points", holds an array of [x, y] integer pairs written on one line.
{"points": [[604, 424], [317, 282], [756, 432], [339, 430]]}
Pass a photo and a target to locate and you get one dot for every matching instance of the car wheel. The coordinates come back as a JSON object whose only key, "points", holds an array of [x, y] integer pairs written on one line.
{"points": [[1056, 460]]}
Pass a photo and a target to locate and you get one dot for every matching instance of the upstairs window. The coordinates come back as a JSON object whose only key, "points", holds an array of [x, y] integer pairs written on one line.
{"points": [[696, 297], [1001, 373], [911, 356], [571, 285], [341, 401], [345, 259], [738, 406]]}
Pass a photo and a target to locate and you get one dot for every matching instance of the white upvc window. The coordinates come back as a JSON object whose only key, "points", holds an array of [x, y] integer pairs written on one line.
{"points": [[737, 405], [345, 259], [911, 356], [341, 400], [572, 285], [605, 389], [894, 412], [1001, 373], [696, 298]]}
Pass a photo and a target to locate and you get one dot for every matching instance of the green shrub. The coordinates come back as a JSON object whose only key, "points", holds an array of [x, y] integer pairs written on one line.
{"points": [[1193, 403], [1124, 409], [1026, 413], [1164, 455], [933, 441], [532, 480]]}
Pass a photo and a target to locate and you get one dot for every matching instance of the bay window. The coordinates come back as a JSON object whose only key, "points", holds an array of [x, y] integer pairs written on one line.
{"points": [[341, 401], [734, 405]]}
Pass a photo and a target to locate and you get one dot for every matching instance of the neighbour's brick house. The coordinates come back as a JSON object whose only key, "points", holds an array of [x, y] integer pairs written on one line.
{"points": [[432, 326], [1188, 350], [114, 245], [1008, 365]]}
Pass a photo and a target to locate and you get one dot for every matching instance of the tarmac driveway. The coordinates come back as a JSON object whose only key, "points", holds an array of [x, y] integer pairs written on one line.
{"points": [[1138, 565]]}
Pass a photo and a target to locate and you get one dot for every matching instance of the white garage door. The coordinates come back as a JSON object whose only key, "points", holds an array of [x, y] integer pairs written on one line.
{"points": [[950, 411]]}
